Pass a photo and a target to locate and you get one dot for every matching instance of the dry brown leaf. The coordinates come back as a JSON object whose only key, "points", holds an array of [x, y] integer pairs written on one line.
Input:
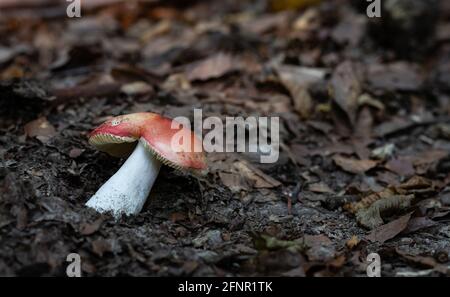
{"points": [[345, 88], [297, 81], [320, 187], [255, 175], [400, 76], [400, 166], [389, 230], [419, 223], [40, 128], [353, 165], [394, 126], [415, 185], [233, 181], [212, 67], [371, 217]]}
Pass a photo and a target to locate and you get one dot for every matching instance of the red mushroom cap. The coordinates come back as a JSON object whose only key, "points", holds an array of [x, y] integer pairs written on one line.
{"points": [[118, 135]]}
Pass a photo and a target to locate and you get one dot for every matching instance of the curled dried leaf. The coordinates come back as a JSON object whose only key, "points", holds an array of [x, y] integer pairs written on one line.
{"points": [[372, 216]]}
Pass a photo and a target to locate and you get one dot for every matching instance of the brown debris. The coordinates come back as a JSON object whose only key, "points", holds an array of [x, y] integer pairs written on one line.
{"points": [[389, 230], [212, 67], [353, 165]]}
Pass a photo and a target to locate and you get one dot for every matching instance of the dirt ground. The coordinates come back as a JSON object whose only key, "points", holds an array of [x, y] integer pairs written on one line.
{"points": [[364, 129]]}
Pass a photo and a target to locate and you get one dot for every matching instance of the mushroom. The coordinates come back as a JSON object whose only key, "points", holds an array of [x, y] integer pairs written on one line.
{"points": [[148, 137]]}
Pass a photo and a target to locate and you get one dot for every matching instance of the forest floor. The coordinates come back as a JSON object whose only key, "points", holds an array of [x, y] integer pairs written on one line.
{"points": [[364, 116]]}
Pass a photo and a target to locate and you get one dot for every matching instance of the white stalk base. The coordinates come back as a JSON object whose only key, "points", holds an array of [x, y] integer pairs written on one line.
{"points": [[126, 191]]}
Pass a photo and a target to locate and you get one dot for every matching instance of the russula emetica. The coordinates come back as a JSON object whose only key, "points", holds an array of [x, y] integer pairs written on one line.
{"points": [[147, 138]]}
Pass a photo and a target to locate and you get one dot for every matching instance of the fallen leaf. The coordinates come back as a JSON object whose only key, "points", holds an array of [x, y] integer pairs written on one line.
{"points": [[353, 165], [416, 185], [212, 67], [399, 76], [419, 223], [350, 30], [259, 178], [401, 167], [389, 230], [320, 187], [297, 80], [345, 88], [427, 159], [234, 182], [40, 128], [371, 217], [396, 125]]}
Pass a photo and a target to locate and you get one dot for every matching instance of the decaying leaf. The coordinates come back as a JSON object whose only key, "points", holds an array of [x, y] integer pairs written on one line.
{"points": [[234, 182], [320, 187], [389, 230], [258, 178], [419, 223], [345, 88], [212, 67], [242, 176], [397, 76], [297, 80], [416, 185], [40, 128], [400, 166], [371, 217], [353, 165]]}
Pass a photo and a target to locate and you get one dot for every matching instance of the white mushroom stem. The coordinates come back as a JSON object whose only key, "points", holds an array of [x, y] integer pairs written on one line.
{"points": [[126, 191]]}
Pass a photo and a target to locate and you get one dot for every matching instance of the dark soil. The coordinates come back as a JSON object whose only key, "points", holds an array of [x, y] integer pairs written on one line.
{"points": [[376, 117]]}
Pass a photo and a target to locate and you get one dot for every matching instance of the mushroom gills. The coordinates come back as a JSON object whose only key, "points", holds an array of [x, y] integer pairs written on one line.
{"points": [[126, 191]]}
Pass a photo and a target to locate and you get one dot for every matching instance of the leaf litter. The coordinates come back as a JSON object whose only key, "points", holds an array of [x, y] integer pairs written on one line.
{"points": [[363, 121]]}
